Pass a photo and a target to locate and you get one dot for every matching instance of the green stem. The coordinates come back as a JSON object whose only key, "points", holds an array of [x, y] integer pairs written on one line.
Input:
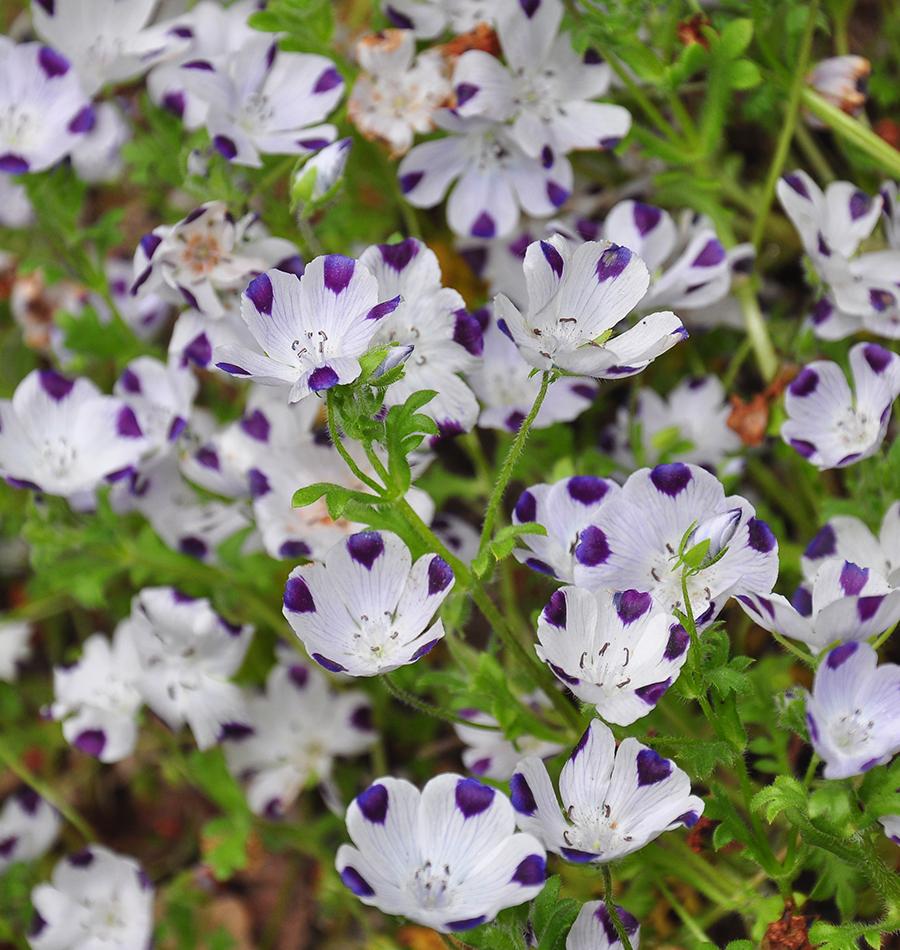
{"points": [[509, 463], [804, 658], [789, 124], [11, 761], [880, 641], [814, 154], [436, 712], [338, 443], [612, 910]]}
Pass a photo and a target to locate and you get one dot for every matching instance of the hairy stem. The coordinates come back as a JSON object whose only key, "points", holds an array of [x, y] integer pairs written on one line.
{"points": [[612, 910]]}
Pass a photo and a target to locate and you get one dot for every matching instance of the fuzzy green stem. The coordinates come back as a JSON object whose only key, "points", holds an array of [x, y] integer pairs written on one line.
{"points": [[682, 913], [612, 911], [420, 705], [338, 443], [509, 463]]}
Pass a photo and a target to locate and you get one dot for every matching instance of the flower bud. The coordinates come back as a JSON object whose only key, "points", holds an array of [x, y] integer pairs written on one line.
{"points": [[395, 356], [842, 80], [710, 538], [318, 179]]}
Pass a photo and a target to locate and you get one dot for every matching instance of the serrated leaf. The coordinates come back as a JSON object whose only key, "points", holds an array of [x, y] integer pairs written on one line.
{"points": [[784, 793], [542, 907]]}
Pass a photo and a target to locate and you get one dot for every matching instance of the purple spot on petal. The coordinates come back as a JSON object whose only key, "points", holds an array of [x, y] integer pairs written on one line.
{"points": [[555, 610], [440, 576], [355, 882], [207, 457], [13, 164], [652, 767], [526, 507], [260, 294], [91, 741], [805, 448], [653, 692], [174, 102], [592, 548], [57, 387], [553, 258], [338, 272], [469, 924], [331, 665], [853, 578], [81, 859], [365, 548], [542, 567], [409, 181], [373, 803], [631, 605], [52, 63], [398, 256], [127, 424], [467, 333], [324, 377], [612, 262], [802, 601], [330, 79], [294, 549], [671, 479], [483, 226], [297, 596], [813, 728], [256, 425], [867, 607], [805, 382], [878, 358], [193, 547], [257, 483], [557, 194], [841, 654], [384, 308], [822, 545], [464, 92], [678, 642], [760, 536], [646, 217], [529, 7], [473, 798], [425, 649], [225, 146], [797, 184], [579, 747], [521, 796], [235, 731], [859, 204], [398, 19], [361, 718], [233, 369], [83, 121], [531, 871]]}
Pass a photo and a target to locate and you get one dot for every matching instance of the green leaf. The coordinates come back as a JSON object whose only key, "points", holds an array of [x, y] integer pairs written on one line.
{"points": [[744, 74], [735, 38], [698, 757], [224, 845], [542, 908], [784, 793]]}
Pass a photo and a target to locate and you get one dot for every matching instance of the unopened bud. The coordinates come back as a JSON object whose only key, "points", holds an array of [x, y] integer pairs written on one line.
{"points": [[396, 355], [319, 178], [710, 538]]}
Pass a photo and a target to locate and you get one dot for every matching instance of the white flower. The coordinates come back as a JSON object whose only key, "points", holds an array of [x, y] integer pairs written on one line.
{"points": [[495, 177], [185, 520], [576, 299], [853, 713], [44, 113], [448, 857], [506, 388], [204, 254], [312, 330], [846, 602], [843, 81], [107, 41], [96, 698], [196, 336], [613, 802], [612, 650], [264, 101], [96, 898], [458, 534], [397, 93], [187, 653], [563, 508], [161, 397], [296, 728], [368, 609], [28, 827], [593, 929], [97, 156], [208, 31], [489, 753], [146, 314], [63, 437], [545, 89], [446, 340], [634, 540], [830, 426], [689, 425], [15, 647], [849, 539], [429, 18]]}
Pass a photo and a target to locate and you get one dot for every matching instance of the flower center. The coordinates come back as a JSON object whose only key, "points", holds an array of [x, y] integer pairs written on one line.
{"points": [[58, 455], [851, 731], [430, 885]]}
